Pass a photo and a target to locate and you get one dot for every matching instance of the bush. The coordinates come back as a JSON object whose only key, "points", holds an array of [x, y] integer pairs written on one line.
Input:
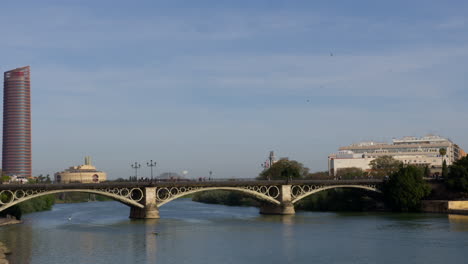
{"points": [[457, 178], [38, 204], [341, 199], [225, 198], [405, 189]]}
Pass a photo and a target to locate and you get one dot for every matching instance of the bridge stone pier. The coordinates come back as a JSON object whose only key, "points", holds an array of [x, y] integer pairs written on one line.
{"points": [[150, 209], [285, 207], [145, 198]]}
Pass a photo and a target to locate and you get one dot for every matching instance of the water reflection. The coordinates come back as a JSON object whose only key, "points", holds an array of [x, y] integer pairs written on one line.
{"points": [[18, 235], [458, 222], [151, 239], [209, 234]]}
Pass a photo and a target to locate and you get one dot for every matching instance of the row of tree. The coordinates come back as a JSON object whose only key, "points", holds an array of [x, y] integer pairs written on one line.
{"points": [[284, 168], [403, 190]]}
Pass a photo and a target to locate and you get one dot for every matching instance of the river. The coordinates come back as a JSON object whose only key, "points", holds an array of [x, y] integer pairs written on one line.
{"points": [[189, 232]]}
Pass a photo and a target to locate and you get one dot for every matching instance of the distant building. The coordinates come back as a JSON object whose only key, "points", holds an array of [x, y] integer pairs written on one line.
{"points": [[86, 173], [270, 161], [462, 153], [16, 150], [422, 151], [169, 176]]}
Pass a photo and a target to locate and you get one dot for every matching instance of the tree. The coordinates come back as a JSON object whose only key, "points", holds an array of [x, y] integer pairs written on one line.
{"points": [[40, 178], [457, 177], [350, 173], [384, 166], [443, 152], [444, 170], [405, 189], [284, 169], [427, 171], [5, 178], [319, 175]]}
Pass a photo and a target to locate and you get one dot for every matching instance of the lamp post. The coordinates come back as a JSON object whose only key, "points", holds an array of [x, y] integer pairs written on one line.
{"points": [[136, 166], [151, 164], [266, 166]]}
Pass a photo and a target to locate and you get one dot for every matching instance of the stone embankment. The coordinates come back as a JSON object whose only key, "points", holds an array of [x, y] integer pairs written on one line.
{"points": [[4, 251], [445, 207]]}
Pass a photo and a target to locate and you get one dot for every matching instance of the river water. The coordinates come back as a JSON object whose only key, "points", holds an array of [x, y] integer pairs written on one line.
{"points": [[189, 232]]}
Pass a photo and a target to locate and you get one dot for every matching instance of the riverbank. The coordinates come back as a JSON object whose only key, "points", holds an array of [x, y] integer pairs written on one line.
{"points": [[8, 221], [4, 251], [329, 200], [445, 207]]}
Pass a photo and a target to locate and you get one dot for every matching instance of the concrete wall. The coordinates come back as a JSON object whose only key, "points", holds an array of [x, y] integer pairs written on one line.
{"points": [[458, 205], [443, 206]]}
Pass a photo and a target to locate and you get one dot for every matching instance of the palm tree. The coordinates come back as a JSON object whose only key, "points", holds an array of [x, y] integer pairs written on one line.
{"points": [[443, 152]]}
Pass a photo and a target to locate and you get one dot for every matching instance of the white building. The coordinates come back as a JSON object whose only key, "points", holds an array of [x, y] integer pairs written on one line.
{"points": [[86, 173], [422, 151]]}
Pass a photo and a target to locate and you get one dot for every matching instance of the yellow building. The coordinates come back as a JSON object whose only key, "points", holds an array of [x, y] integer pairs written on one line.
{"points": [[86, 173]]}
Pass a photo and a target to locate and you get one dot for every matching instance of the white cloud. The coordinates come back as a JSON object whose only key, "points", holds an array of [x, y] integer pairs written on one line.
{"points": [[90, 96]]}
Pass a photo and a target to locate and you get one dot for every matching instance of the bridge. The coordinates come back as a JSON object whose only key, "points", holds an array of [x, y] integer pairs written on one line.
{"points": [[145, 198]]}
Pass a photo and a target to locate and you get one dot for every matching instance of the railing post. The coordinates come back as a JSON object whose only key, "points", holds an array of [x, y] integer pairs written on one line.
{"points": [[150, 211]]}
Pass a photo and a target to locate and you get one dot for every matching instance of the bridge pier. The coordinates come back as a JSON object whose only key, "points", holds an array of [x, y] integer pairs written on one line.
{"points": [[150, 211], [285, 207]]}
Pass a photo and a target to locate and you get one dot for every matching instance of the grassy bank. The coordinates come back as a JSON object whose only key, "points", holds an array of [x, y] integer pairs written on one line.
{"points": [[75, 197], [225, 198], [43, 203]]}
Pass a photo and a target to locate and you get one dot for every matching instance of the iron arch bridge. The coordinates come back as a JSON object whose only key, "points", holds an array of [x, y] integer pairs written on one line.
{"points": [[144, 198]]}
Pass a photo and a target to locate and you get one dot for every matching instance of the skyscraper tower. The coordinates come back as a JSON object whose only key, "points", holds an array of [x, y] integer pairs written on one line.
{"points": [[16, 151]]}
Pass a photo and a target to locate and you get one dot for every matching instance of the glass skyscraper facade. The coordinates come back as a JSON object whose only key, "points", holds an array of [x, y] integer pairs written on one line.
{"points": [[16, 151]]}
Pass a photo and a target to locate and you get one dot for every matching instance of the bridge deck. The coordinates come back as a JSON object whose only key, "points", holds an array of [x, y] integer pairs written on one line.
{"points": [[184, 183]]}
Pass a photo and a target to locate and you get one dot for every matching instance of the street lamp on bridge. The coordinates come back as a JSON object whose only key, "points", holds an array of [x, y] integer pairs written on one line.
{"points": [[151, 164], [266, 166], [136, 166]]}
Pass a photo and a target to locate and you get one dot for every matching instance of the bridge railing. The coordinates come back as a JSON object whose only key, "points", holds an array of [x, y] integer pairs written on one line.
{"points": [[185, 182]]}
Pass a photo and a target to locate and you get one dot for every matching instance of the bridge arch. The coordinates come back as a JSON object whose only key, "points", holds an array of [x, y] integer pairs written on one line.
{"points": [[15, 199], [259, 195], [304, 194]]}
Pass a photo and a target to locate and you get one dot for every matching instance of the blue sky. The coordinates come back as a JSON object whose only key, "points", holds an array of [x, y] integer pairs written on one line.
{"points": [[216, 85]]}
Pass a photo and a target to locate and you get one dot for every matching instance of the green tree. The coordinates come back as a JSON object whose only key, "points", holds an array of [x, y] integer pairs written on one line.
{"points": [[443, 152], [457, 177], [32, 180], [427, 171], [319, 175], [40, 178], [405, 189], [284, 169], [384, 166], [5, 178], [350, 173], [444, 170]]}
